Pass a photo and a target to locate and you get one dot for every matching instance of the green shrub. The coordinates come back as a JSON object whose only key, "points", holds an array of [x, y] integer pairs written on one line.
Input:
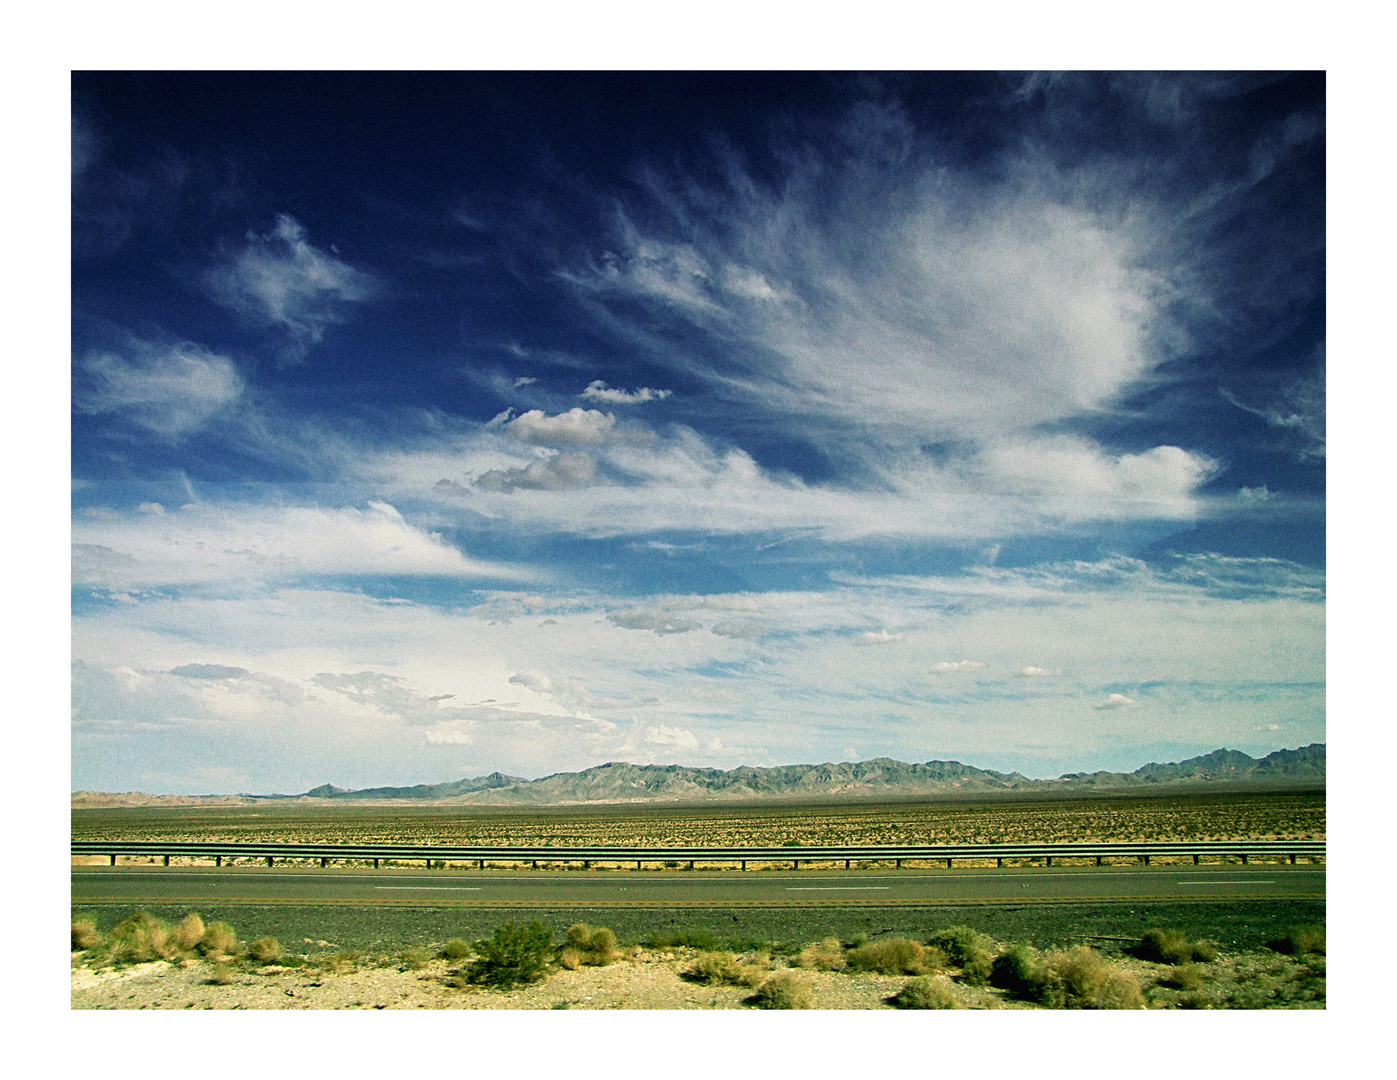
{"points": [[1016, 969], [1183, 977], [1301, 941], [85, 935], [219, 940], [784, 990], [413, 958], [967, 949], [513, 955], [1173, 947], [722, 969], [220, 975], [827, 955], [188, 932], [265, 949], [456, 949], [894, 956], [925, 993]]}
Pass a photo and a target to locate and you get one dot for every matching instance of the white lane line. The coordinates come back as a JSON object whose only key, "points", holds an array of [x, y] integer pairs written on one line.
{"points": [[1229, 881], [838, 888], [426, 888]]}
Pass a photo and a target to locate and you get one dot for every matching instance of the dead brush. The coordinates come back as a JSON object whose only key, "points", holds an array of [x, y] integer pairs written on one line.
{"points": [[723, 969], [265, 950], [219, 941], [784, 990], [827, 955], [925, 992], [895, 956]]}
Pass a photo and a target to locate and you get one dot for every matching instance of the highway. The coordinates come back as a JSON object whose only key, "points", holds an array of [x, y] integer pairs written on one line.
{"points": [[689, 889]]}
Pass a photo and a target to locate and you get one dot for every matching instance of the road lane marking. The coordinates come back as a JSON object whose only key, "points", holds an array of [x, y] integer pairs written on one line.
{"points": [[428, 888], [838, 888], [1229, 881]]}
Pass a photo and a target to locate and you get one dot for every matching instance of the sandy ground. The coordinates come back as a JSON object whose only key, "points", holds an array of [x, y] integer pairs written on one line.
{"points": [[647, 980]]}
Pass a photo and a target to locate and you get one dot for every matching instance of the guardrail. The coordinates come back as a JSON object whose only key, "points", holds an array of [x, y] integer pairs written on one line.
{"points": [[218, 851]]}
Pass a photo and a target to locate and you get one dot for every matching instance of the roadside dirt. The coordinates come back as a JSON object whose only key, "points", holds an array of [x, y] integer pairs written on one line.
{"points": [[646, 980]]}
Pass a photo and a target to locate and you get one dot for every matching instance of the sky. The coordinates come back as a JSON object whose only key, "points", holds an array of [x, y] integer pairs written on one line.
{"points": [[427, 425]]}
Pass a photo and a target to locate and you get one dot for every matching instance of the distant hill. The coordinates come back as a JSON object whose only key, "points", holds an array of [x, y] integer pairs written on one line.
{"points": [[620, 782]]}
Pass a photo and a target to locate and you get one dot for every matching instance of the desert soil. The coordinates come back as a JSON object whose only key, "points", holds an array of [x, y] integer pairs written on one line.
{"points": [[645, 980]]}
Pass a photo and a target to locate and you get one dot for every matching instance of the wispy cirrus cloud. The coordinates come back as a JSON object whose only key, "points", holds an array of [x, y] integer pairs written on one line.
{"points": [[169, 390], [279, 278], [597, 390]]}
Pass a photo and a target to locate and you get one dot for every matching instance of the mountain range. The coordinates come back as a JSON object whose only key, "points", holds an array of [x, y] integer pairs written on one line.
{"points": [[882, 778]]}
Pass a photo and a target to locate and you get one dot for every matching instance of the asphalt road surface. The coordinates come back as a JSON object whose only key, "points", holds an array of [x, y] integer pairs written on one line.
{"points": [[681, 889]]}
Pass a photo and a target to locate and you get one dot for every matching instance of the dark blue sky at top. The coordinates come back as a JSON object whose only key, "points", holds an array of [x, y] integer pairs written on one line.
{"points": [[464, 195]]}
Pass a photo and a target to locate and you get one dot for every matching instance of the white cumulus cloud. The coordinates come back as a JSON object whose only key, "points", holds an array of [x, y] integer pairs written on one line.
{"points": [[1115, 701], [947, 666]]}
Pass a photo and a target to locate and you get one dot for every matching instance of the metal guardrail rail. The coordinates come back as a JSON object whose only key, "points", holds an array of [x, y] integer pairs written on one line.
{"points": [[1143, 851]]}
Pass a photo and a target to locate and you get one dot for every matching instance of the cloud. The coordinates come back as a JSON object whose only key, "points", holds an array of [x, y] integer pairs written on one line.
{"points": [[739, 630], [171, 390], [208, 671], [561, 472], [280, 279], [576, 427], [1115, 701], [671, 737], [532, 680], [208, 542], [877, 637], [597, 390], [661, 622], [947, 666], [1298, 409], [1032, 672]]}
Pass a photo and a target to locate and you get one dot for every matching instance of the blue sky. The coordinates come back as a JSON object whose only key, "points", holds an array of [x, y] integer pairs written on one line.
{"points": [[427, 425]]}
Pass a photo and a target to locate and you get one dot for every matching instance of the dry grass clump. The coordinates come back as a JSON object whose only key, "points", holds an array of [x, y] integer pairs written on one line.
{"points": [[220, 975], [969, 950], [1173, 947], [140, 939], [85, 935], [784, 990], [827, 955], [188, 932], [895, 956], [1301, 941], [926, 993], [722, 969], [219, 941], [265, 949], [590, 946], [1016, 969], [1078, 978], [412, 959]]}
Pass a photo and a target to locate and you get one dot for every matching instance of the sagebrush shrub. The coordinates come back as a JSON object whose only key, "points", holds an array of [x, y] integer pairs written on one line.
{"points": [[893, 956], [141, 938], [591, 945], [827, 955], [219, 939], [1078, 978], [456, 949], [1173, 947], [265, 949], [967, 949], [784, 990], [1301, 941], [1016, 969], [188, 932], [85, 935], [722, 969], [925, 992]]}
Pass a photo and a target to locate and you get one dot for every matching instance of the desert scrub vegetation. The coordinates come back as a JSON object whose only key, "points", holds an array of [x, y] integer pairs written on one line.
{"points": [[1300, 941], [1075, 978], [265, 950], [722, 969], [895, 956], [784, 990], [85, 935], [511, 956], [826, 955], [593, 946], [925, 992], [1173, 947], [967, 949]]}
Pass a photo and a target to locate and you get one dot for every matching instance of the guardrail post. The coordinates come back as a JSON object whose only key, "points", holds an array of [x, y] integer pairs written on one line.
{"points": [[1195, 860], [482, 864], [217, 860], [999, 864], [797, 864], [324, 862], [1244, 858], [1048, 861], [898, 864], [1098, 860], [691, 864], [113, 862], [535, 864], [1146, 859], [269, 860], [846, 864], [375, 864], [167, 859], [1292, 859], [587, 864], [637, 864], [744, 864]]}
